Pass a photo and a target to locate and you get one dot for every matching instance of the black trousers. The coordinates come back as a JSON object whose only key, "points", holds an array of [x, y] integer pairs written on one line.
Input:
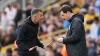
{"points": [[28, 53]]}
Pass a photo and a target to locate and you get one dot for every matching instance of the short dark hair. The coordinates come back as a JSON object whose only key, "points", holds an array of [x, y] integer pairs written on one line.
{"points": [[96, 19], [34, 11], [9, 50], [66, 8]]}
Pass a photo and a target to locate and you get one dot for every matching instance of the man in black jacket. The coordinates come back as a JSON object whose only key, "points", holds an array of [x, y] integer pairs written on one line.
{"points": [[75, 40], [27, 39]]}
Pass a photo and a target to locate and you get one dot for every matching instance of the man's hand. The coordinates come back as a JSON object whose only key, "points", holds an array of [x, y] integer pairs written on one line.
{"points": [[32, 48], [60, 40]]}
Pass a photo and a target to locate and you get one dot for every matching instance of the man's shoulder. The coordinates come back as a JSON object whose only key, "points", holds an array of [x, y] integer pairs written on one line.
{"points": [[77, 21], [23, 25], [79, 17]]}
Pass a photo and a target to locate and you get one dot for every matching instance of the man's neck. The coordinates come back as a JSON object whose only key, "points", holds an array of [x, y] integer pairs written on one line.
{"points": [[71, 15], [34, 21]]}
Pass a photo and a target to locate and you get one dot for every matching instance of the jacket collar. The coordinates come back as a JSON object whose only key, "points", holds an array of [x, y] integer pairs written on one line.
{"points": [[29, 21], [72, 18], [80, 17]]}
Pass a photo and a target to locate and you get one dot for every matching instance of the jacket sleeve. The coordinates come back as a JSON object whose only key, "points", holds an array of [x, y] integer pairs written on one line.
{"points": [[40, 44], [76, 33], [22, 30]]}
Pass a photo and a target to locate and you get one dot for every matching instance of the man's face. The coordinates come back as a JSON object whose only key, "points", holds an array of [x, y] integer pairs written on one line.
{"points": [[39, 17], [64, 16]]}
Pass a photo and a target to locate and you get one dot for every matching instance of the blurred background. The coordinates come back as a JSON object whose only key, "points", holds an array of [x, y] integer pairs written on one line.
{"points": [[14, 12]]}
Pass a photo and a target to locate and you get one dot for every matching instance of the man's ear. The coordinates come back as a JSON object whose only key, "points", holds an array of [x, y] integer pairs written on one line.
{"points": [[32, 17], [36, 16], [68, 13]]}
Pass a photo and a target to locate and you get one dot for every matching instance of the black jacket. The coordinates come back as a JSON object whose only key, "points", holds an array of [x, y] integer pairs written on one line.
{"points": [[75, 40], [27, 35]]}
